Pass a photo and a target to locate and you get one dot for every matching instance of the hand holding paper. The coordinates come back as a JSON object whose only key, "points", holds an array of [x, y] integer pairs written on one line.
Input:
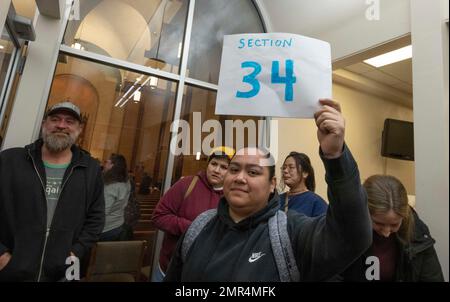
{"points": [[275, 74], [330, 128]]}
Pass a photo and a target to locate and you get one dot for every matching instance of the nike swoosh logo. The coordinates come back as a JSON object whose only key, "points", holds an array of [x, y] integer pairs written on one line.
{"points": [[255, 257]]}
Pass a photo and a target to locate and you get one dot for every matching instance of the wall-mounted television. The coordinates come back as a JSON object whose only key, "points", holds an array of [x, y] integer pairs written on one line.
{"points": [[398, 139]]}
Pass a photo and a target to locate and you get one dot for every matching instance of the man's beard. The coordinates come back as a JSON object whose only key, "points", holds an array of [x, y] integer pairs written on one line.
{"points": [[56, 142]]}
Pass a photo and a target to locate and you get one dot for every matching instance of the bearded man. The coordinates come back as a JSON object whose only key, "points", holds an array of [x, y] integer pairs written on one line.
{"points": [[51, 202]]}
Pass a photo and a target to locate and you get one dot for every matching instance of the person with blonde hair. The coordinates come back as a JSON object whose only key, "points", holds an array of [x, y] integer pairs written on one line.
{"points": [[185, 200], [402, 243]]}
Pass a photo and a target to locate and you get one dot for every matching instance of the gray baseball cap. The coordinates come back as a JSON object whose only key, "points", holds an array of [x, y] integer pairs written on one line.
{"points": [[66, 106]]}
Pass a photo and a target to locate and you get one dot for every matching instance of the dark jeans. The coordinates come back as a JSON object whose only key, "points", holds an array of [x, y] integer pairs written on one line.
{"points": [[111, 235], [127, 233]]}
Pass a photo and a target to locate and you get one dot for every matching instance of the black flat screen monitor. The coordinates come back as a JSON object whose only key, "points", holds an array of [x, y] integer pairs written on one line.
{"points": [[398, 139]]}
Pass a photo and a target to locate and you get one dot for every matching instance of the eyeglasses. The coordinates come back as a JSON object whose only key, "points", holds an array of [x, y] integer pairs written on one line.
{"points": [[290, 168]]}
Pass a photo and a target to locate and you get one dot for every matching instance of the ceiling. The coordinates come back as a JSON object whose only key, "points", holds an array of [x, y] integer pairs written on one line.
{"points": [[397, 75], [310, 17], [391, 82]]}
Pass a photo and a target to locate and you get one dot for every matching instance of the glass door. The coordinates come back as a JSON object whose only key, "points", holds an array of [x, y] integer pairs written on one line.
{"points": [[10, 57]]}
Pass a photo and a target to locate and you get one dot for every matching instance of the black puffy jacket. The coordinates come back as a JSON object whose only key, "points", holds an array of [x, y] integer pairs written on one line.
{"points": [[37, 253]]}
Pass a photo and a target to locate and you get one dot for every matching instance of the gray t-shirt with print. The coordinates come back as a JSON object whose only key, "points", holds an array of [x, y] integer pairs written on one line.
{"points": [[55, 174]]}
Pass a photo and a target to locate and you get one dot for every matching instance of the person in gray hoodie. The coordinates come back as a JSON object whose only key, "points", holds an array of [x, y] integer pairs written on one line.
{"points": [[117, 192]]}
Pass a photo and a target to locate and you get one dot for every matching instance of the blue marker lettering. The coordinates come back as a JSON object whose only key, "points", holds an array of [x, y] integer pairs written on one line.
{"points": [[250, 79], [288, 42], [242, 42], [289, 80]]}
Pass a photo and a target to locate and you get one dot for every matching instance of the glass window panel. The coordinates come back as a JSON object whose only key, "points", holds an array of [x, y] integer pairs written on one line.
{"points": [[7, 52], [123, 112], [6, 55], [143, 32], [198, 111], [118, 119], [212, 20]]}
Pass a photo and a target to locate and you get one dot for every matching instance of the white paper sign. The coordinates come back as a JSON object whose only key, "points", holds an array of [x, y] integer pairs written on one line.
{"points": [[274, 74]]}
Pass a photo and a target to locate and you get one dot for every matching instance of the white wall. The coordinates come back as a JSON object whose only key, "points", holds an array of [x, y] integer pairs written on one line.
{"points": [[364, 115], [429, 35], [4, 7]]}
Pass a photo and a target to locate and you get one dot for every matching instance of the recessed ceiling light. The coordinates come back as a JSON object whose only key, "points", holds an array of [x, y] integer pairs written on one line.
{"points": [[2, 47], [391, 57]]}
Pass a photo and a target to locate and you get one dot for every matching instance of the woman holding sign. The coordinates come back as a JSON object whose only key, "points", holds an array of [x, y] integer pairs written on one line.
{"points": [[247, 238]]}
